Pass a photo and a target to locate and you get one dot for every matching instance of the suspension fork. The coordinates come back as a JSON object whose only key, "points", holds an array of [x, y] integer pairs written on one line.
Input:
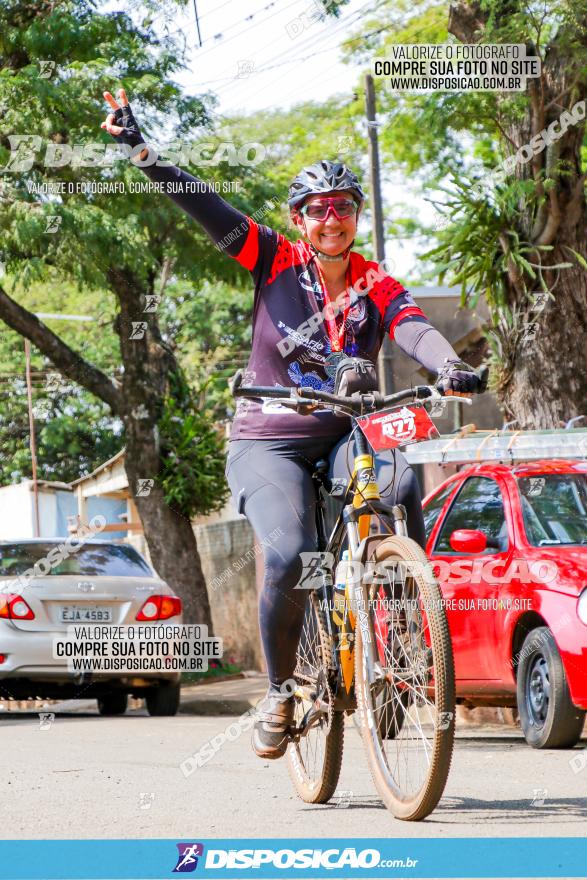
{"points": [[366, 489], [326, 589]]}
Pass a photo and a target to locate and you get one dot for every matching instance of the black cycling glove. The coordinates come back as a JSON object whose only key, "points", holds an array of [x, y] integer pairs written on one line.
{"points": [[131, 134], [459, 376]]}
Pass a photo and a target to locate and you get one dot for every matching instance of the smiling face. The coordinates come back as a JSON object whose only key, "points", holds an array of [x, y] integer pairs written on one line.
{"points": [[333, 235]]}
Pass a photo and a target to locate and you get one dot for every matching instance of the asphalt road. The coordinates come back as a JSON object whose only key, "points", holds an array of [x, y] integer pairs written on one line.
{"points": [[85, 776]]}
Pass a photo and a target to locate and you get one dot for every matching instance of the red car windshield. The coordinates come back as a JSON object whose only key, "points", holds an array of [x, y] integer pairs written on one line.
{"points": [[554, 507]]}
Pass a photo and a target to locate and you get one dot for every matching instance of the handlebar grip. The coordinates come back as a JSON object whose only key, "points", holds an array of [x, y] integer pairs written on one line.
{"points": [[482, 375]]}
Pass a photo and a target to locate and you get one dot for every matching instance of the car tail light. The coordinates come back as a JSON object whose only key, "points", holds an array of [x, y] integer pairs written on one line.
{"points": [[14, 608], [160, 608], [2, 658]]}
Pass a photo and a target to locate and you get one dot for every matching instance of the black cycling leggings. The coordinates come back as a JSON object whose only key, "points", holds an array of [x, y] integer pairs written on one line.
{"points": [[271, 483]]}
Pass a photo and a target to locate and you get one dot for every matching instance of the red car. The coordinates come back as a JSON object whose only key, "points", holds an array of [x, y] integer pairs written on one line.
{"points": [[509, 546]]}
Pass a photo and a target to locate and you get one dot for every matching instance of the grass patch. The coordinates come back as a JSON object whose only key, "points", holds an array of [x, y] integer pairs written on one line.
{"points": [[216, 669]]}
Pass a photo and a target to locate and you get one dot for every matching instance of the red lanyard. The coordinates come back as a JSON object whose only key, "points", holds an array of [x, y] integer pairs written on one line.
{"points": [[335, 333]]}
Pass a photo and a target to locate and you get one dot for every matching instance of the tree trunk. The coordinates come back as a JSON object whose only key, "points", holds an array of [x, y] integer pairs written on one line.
{"points": [[169, 535], [548, 384], [548, 380], [543, 381], [148, 364]]}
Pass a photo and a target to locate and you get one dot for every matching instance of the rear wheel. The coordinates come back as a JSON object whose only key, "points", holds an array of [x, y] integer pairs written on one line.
{"points": [[164, 699], [314, 758], [407, 707], [548, 717], [113, 704]]}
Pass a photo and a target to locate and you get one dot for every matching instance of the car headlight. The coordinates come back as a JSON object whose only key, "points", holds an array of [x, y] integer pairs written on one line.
{"points": [[582, 607]]}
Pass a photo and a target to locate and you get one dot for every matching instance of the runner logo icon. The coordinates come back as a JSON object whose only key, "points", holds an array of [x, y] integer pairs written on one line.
{"points": [[187, 859]]}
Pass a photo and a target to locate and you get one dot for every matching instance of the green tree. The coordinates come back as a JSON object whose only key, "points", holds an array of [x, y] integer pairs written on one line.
{"points": [[75, 431], [520, 235], [125, 246]]}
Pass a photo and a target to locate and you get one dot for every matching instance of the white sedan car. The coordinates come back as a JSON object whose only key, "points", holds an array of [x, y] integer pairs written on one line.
{"points": [[44, 590]]}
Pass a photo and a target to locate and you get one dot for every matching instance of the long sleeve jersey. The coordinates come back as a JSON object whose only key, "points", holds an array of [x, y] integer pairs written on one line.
{"points": [[290, 341]]}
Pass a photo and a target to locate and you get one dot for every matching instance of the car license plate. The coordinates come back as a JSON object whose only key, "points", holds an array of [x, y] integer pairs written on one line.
{"points": [[85, 614]]}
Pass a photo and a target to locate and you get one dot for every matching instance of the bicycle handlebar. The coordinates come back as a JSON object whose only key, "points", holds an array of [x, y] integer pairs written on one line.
{"points": [[370, 401]]}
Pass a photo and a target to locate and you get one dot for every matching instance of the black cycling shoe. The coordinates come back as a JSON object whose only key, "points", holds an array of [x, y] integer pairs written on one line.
{"points": [[273, 721]]}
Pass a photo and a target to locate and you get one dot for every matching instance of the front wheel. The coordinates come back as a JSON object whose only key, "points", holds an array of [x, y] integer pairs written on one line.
{"points": [[314, 756], [548, 717], [407, 703]]}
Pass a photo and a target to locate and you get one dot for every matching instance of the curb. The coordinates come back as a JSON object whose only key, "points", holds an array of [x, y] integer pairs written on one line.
{"points": [[215, 706]]}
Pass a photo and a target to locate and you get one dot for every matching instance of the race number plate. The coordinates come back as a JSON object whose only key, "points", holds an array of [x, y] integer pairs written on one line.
{"points": [[399, 426]]}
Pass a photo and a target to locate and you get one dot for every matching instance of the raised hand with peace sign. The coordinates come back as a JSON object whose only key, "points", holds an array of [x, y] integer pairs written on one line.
{"points": [[122, 125]]}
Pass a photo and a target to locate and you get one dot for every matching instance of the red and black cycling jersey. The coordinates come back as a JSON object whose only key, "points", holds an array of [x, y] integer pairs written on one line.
{"points": [[290, 340]]}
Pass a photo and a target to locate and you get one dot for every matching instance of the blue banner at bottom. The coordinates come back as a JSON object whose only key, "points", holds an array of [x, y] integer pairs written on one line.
{"points": [[376, 857]]}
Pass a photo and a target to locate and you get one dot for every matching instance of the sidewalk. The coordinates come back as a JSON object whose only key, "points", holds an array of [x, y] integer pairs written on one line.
{"points": [[232, 696]]}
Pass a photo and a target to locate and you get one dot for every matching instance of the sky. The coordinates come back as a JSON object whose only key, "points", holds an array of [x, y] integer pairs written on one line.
{"points": [[258, 54]]}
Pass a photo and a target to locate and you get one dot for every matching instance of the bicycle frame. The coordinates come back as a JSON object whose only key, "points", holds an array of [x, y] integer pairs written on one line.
{"points": [[361, 500]]}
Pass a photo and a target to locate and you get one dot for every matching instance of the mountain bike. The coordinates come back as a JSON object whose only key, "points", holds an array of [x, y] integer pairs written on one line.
{"points": [[375, 637]]}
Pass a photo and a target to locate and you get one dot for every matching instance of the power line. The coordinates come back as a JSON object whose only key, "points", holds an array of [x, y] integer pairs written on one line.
{"points": [[341, 24], [217, 9], [227, 79], [220, 39], [220, 36]]}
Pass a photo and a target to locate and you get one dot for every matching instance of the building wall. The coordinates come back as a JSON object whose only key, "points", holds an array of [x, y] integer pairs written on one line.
{"points": [[55, 505], [16, 512]]}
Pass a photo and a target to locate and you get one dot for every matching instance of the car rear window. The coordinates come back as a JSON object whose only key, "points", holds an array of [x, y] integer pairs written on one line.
{"points": [[554, 507], [114, 560]]}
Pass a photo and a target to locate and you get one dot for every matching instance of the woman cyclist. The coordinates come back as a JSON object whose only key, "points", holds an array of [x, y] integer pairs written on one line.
{"points": [[315, 301]]}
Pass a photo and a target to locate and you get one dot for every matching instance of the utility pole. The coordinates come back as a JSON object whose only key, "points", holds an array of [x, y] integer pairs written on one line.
{"points": [[29, 387], [198, 24], [384, 364]]}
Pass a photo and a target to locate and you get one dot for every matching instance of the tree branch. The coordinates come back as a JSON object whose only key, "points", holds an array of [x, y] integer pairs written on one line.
{"points": [[59, 353], [553, 222], [536, 126], [503, 132], [166, 271], [574, 206], [554, 102], [514, 273], [466, 21]]}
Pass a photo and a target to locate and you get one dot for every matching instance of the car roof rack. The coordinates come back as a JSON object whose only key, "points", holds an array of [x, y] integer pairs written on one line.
{"points": [[470, 446]]}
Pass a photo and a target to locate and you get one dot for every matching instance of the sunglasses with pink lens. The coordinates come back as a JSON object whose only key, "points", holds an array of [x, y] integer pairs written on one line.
{"points": [[341, 207]]}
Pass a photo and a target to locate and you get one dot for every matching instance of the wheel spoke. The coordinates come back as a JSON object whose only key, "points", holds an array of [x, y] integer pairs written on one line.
{"points": [[404, 744], [308, 753]]}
